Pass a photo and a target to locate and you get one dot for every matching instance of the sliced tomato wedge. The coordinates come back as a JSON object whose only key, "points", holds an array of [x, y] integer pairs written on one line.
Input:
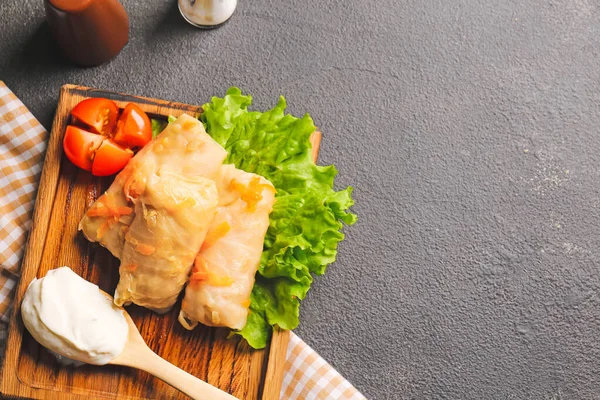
{"points": [[80, 145], [134, 128], [99, 114], [100, 141], [110, 158]]}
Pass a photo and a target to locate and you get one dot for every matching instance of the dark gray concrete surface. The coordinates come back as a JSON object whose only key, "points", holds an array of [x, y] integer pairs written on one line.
{"points": [[471, 132]]}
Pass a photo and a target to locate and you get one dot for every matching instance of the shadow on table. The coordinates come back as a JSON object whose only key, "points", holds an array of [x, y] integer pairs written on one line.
{"points": [[40, 53], [172, 23], [38, 63]]}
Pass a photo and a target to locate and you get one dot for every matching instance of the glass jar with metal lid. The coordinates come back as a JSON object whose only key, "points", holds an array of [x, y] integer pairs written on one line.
{"points": [[207, 14]]}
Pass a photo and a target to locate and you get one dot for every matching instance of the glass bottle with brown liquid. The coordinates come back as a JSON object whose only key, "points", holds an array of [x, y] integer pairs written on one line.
{"points": [[89, 32]]}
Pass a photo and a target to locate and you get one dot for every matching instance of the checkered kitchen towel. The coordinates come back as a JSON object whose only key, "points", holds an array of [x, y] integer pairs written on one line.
{"points": [[308, 376], [22, 146]]}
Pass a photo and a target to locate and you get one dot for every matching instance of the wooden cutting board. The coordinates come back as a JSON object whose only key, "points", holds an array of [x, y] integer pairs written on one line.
{"points": [[65, 192]]}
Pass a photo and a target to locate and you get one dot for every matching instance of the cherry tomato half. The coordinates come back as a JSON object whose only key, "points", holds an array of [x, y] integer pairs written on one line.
{"points": [[110, 158], [134, 128], [80, 145], [99, 114], [94, 152], [104, 143]]}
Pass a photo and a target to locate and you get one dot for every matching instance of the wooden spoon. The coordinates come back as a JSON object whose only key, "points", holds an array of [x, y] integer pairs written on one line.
{"points": [[137, 354]]}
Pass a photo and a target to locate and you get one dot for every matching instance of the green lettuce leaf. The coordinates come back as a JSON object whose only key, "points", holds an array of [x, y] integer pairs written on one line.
{"points": [[308, 215], [157, 126]]}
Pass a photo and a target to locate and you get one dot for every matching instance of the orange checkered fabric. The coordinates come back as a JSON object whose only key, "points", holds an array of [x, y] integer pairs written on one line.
{"points": [[22, 146], [308, 376]]}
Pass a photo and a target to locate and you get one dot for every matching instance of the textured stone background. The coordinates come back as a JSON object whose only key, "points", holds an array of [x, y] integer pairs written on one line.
{"points": [[471, 134]]}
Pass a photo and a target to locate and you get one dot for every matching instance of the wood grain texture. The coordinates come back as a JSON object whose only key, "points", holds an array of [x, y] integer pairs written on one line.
{"points": [[64, 193], [137, 354]]}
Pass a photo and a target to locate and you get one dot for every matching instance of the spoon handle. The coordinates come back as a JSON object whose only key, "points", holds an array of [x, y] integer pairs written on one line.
{"points": [[152, 363]]}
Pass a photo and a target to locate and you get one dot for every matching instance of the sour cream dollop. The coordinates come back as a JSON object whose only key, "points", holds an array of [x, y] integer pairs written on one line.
{"points": [[73, 318]]}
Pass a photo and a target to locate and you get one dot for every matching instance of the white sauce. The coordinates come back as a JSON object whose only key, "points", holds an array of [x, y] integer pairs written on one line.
{"points": [[207, 12], [73, 318]]}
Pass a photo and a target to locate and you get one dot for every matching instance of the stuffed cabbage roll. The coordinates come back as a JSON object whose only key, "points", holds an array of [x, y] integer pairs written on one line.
{"points": [[218, 292], [155, 215], [183, 147], [172, 217]]}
